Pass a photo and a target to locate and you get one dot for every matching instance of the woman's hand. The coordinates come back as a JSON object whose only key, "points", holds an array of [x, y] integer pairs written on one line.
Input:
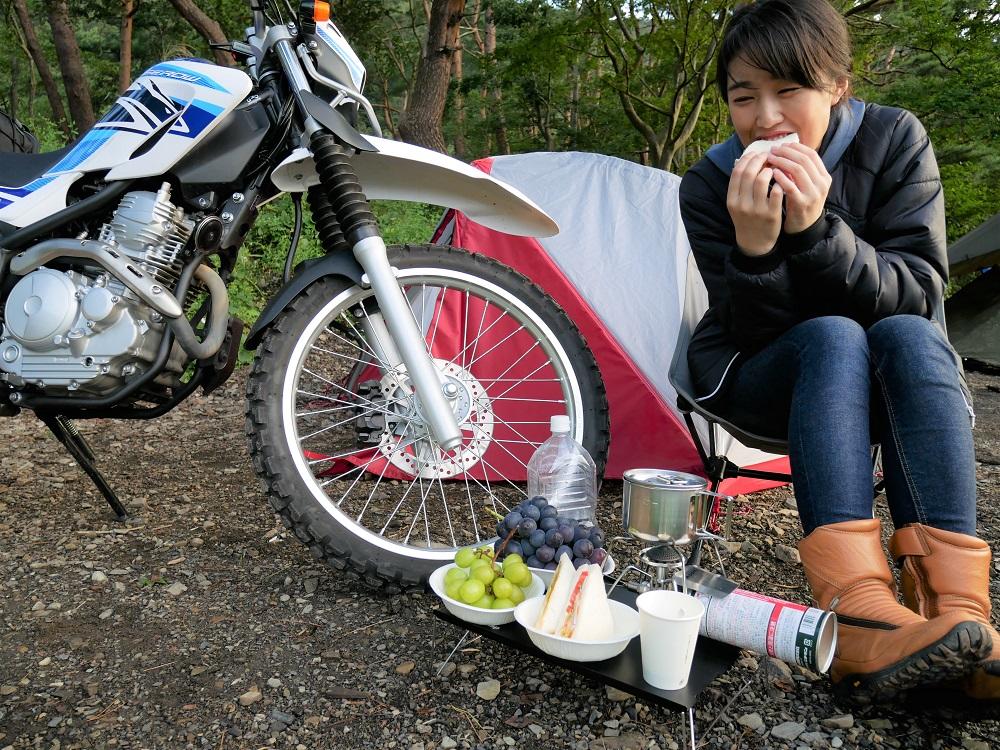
{"points": [[756, 213], [802, 175]]}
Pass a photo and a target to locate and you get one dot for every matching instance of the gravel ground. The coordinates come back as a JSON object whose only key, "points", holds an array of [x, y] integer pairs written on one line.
{"points": [[201, 623]]}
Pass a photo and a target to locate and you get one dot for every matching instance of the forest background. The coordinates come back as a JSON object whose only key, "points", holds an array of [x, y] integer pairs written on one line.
{"points": [[482, 77]]}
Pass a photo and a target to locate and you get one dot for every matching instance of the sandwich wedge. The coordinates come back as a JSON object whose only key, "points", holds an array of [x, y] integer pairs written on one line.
{"points": [[587, 615], [763, 144], [557, 596]]}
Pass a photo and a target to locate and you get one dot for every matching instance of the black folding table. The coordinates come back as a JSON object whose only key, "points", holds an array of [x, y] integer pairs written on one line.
{"points": [[711, 659]]}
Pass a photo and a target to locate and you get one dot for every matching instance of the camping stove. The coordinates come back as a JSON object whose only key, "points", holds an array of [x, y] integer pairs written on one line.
{"points": [[669, 566]]}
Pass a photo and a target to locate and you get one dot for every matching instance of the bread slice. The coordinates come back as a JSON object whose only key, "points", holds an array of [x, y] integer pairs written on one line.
{"points": [[765, 145], [587, 615], [557, 596]]}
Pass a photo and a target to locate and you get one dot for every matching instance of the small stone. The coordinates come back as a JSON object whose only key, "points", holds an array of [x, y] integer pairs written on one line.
{"points": [[284, 718], [98, 577], [37, 607], [406, 667], [790, 503], [749, 549], [836, 742], [45, 662], [488, 690], [447, 743], [417, 746], [779, 674], [970, 744], [879, 723], [251, 696], [752, 721], [812, 738], [311, 585], [612, 723], [466, 669], [176, 589], [843, 721], [536, 730], [614, 694], [105, 614], [447, 669], [8, 689], [788, 730], [509, 741], [273, 682], [787, 554], [307, 609]]}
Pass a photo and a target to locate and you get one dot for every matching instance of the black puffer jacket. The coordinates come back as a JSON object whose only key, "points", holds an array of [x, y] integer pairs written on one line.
{"points": [[879, 250]]}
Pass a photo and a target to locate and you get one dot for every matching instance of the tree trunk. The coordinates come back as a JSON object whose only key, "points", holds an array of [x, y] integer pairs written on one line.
{"points": [[44, 72], [71, 65], [421, 123], [210, 29], [494, 89], [15, 73], [456, 72], [125, 55]]}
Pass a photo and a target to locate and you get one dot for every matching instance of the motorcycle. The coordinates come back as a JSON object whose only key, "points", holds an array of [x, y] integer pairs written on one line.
{"points": [[396, 393]]}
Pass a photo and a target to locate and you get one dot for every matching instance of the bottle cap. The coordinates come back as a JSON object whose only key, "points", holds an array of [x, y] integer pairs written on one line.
{"points": [[559, 423]]}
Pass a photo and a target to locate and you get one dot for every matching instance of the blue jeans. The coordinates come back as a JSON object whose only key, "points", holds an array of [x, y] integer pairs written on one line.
{"points": [[832, 389]]}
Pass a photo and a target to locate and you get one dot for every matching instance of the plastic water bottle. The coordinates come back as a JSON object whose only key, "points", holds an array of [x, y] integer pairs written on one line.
{"points": [[563, 473]]}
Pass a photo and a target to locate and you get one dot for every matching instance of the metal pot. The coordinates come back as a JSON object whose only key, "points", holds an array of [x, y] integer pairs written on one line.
{"points": [[660, 505]]}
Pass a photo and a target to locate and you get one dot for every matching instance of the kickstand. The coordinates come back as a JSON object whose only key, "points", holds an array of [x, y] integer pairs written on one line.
{"points": [[67, 434]]}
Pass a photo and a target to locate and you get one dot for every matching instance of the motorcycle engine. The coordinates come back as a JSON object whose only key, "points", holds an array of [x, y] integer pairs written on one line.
{"points": [[85, 330]]}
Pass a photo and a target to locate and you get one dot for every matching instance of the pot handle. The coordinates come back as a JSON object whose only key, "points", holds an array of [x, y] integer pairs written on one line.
{"points": [[727, 522]]}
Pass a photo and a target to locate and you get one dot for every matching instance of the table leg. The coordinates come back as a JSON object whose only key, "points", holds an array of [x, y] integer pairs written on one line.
{"points": [[694, 743]]}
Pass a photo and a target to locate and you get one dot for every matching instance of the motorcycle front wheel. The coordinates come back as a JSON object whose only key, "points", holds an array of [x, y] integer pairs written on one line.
{"points": [[339, 438]]}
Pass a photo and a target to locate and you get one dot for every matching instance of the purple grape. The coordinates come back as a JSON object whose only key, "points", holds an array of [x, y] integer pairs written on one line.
{"points": [[566, 531], [502, 529], [598, 556], [527, 548], [539, 502], [581, 532], [496, 546], [530, 511], [551, 566], [545, 553], [537, 538], [514, 548], [533, 562], [549, 511], [579, 562], [525, 528], [554, 539], [597, 537], [547, 524], [583, 548], [563, 550], [512, 519]]}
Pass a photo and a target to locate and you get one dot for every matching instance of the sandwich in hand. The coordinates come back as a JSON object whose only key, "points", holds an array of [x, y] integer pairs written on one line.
{"points": [[763, 144], [576, 605]]}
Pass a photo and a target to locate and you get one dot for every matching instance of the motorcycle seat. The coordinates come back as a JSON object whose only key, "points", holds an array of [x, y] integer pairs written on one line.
{"points": [[17, 170]]}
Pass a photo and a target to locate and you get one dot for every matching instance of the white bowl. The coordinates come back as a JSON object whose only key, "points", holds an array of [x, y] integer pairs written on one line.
{"points": [[626, 622], [546, 575], [477, 615]]}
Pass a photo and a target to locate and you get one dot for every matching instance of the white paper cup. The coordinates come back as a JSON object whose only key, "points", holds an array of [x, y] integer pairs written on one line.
{"points": [[668, 632]]}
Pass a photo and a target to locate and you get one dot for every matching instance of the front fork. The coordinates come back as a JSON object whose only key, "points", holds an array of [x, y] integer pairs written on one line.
{"points": [[395, 338]]}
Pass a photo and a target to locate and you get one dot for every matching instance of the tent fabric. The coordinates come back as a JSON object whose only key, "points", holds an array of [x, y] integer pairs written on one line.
{"points": [[974, 320], [621, 267], [980, 248]]}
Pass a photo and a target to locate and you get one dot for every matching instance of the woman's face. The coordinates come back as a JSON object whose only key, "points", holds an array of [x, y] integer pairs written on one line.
{"points": [[762, 106]]}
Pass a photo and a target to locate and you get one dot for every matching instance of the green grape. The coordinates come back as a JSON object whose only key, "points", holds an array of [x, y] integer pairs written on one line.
{"points": [[484, 573], [503, 604], [479, 562], [502, 588], [452, 588], [456, 574], [512, 559], [486, 602], [519, 575], [516, 595], [472, 591], [486, 551], [465, 557]]}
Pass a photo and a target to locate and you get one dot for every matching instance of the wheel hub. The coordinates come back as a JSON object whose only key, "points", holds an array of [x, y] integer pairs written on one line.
{"points": [[406, 441]]}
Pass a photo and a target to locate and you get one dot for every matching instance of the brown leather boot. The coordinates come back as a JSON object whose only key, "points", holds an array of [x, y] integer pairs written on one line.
{"points": [[944, 572], [882, 647]]}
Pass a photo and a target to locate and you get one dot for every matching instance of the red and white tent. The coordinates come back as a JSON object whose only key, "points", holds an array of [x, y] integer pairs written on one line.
{"points": [[622, 269]]}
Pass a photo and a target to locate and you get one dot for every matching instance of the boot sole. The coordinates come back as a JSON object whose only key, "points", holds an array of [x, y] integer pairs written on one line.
{"points": [[955, 655]]}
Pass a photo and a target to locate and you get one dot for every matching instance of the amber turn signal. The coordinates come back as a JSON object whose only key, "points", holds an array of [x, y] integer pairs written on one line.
{"points": [[321, 11]]}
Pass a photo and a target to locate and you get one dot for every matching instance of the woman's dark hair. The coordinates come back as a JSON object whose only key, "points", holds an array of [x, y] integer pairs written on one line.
{"points": [[804, 41]]}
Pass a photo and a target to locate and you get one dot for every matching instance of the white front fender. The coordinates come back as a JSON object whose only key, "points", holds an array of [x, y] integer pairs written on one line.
{"points": [[400, 171]]}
